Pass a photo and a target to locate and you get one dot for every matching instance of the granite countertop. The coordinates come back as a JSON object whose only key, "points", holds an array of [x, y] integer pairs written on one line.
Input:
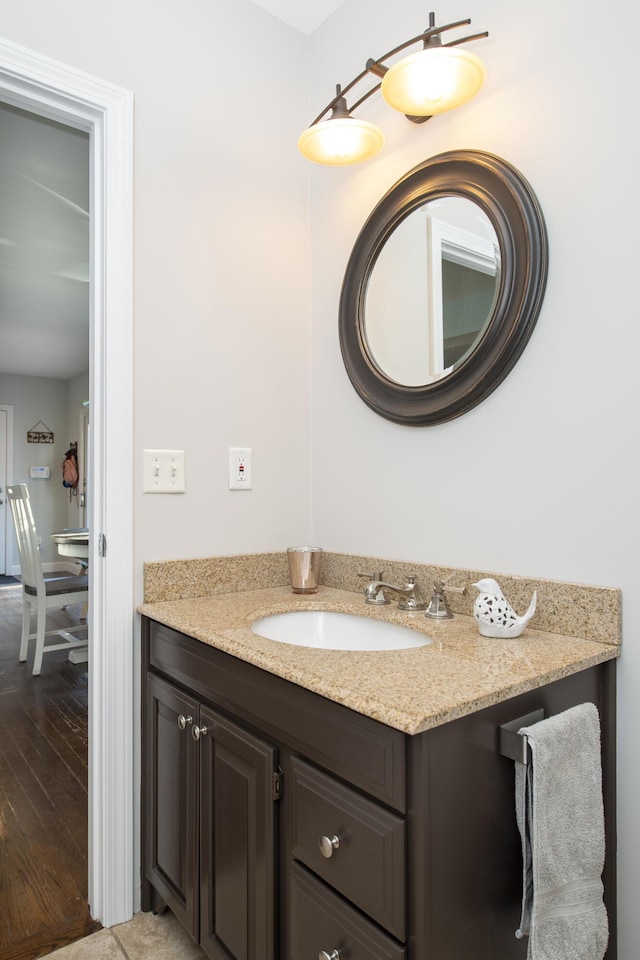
{"points": [[411, 690]]}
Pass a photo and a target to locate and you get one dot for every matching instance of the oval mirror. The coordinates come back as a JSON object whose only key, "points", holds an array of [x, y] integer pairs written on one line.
{"points": [[443, 288]]}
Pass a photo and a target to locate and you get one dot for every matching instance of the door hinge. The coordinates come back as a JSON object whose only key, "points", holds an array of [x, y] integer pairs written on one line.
{"points": [[102, 545], [277, 784]]}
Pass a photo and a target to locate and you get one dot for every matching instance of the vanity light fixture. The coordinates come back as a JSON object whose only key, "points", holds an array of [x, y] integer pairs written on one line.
{"points": [[341, 139], [437, 78]]}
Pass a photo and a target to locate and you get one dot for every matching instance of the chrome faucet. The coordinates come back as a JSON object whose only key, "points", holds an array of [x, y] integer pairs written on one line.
{"points": [[410, 597]]}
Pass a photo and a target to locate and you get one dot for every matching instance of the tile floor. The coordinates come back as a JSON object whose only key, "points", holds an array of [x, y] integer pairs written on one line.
{"points": [[146, 937]]}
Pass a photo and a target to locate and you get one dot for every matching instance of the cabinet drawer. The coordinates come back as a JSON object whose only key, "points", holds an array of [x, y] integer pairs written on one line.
{"points": [[356, 748], [322, 921], [366, 861]]}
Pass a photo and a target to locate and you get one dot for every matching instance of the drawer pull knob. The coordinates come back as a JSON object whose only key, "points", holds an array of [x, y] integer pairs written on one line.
{"points": [[197, 732], [334, 955], [327, 846], [184, 721]]}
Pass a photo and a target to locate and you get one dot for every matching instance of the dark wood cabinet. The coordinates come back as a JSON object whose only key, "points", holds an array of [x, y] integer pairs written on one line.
{"points": [[172, 793], [295, 828], [237, 841], [210, 828]]}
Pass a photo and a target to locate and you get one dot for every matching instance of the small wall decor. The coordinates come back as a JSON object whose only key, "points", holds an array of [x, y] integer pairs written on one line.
{"points": [[35, 435]]}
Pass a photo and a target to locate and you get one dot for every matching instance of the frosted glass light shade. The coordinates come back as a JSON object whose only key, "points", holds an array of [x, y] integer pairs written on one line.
{"points": [[340, 141], [432, 81]]}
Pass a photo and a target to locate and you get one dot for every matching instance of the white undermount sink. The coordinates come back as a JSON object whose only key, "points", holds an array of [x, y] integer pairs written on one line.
{"points": [[337, 631]]}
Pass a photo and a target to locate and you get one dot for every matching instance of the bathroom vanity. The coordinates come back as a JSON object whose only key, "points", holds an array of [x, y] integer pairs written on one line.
{"points": [[280, 824]]}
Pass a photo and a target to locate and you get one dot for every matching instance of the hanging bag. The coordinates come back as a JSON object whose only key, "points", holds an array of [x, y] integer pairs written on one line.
{"points": [[70, 472]]}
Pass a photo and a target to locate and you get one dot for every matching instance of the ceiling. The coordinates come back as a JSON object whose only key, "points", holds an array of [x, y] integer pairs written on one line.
{"points": [[44, 246], [44, 230], [304, 15]]}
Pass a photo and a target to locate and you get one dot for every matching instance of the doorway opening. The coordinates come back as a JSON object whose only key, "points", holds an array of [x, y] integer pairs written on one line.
{"points": [[44, 369]]}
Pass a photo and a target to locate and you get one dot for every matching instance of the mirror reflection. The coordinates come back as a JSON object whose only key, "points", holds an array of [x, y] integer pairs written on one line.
{"points": [[432, 290]]}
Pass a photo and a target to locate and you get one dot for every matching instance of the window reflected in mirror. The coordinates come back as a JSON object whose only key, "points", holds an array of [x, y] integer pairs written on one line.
{"points": [[432, 291]]}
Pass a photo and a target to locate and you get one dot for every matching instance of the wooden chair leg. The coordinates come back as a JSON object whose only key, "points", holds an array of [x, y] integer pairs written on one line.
{"points": [[40, 634], [26, 626]]}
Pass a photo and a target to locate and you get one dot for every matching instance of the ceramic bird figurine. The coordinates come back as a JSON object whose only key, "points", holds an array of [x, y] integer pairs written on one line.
{"points": [[495, 615]]}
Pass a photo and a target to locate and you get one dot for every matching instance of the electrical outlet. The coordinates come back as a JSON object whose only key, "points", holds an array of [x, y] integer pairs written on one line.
{"points": [[164, 471], [240, 473]]}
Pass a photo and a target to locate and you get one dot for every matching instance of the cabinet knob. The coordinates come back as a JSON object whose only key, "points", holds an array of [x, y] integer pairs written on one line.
{"points": [[184, 721], [197, 732], [328, 845], [324, 955]]}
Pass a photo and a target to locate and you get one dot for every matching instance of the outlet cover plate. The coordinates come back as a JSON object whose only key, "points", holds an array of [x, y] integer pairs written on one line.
{"points": [[240, 471]]}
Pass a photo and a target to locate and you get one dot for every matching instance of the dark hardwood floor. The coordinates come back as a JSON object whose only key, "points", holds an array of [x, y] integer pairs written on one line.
{"points": [[43, 793]]}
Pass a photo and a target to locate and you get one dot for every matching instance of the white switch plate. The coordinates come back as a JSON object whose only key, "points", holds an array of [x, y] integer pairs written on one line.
{"points": [[240, 474], [163, 471]]}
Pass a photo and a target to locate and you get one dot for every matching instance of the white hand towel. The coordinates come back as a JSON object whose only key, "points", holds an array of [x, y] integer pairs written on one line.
{"points": [[560, 816]]}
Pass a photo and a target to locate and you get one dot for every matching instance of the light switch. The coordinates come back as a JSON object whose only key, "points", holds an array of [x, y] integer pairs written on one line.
{"points": [[163, 471]]}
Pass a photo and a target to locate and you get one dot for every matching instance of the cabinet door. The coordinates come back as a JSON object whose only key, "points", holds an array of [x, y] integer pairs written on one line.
{"points": [[237, 851], [172, 816]]}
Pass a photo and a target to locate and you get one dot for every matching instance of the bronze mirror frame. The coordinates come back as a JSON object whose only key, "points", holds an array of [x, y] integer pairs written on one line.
{"points": [[507, 199]]}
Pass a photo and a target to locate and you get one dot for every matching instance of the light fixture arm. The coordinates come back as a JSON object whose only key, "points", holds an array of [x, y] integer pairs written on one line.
{"points": [[369, 93], [430, 34], [472, 36], [377, 67], [341, 93]]}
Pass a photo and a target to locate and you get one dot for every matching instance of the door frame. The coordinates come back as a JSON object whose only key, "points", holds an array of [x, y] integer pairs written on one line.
{"points": [[46, 87]]}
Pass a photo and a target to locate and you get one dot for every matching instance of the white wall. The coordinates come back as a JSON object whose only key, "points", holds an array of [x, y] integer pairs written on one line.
{"points": [[221, 258], [563, 501]]}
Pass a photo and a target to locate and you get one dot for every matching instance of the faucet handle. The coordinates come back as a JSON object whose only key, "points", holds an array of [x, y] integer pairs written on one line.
{"points": [[450, 589]]}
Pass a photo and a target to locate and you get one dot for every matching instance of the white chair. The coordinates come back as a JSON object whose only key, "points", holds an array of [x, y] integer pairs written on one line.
{"points": [[39, 591]]}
